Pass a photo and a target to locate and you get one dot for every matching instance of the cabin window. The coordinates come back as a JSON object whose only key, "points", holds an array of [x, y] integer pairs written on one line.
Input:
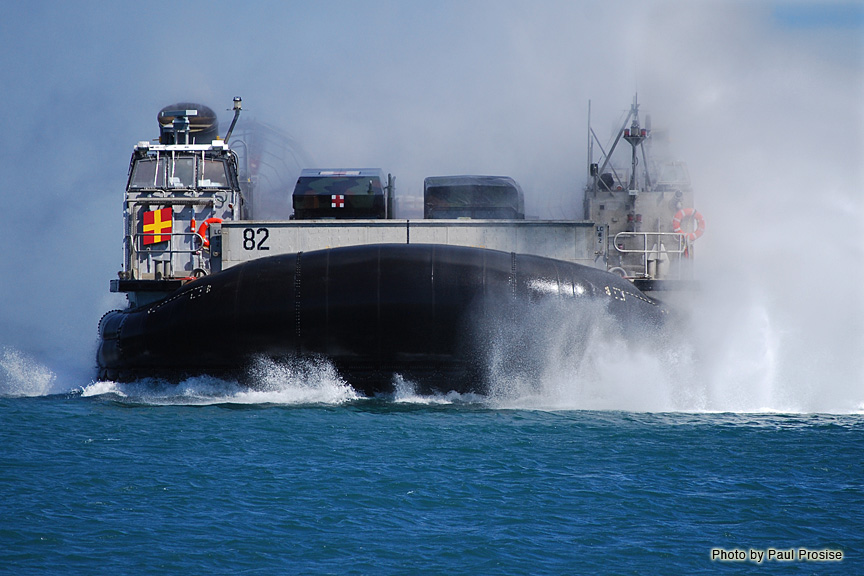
{"points": [[179, 172], [146, 175], [213, 174], [182, 174]]}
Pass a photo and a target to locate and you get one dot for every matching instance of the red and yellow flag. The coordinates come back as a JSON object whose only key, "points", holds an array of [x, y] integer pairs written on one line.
{"points": [[156, 224]]}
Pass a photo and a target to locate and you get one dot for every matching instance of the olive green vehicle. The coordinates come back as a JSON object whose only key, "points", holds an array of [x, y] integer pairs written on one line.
{"points": [[343, 194]]}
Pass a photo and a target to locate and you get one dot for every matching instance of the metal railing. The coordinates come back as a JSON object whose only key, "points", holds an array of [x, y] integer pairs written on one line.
{"points": [[652, 256], [161, 260]]}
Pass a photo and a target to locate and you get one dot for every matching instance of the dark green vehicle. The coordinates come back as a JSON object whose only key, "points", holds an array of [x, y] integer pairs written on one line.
{"points": [[476, 197], [343, 193]]}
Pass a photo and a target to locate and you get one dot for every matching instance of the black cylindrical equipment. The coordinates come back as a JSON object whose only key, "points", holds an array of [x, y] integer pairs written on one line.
{"points": [[203, 124]]}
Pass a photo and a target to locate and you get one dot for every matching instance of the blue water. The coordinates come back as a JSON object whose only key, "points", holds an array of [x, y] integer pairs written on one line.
{"points": [[209, 478]]}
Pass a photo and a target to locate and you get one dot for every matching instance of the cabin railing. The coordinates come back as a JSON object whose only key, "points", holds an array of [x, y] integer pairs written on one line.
{"points": [[655, 262], [160, 262]]}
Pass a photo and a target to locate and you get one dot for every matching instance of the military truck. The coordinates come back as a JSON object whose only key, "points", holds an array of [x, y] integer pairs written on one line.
{"points": [[476, 197], [344, 193]]}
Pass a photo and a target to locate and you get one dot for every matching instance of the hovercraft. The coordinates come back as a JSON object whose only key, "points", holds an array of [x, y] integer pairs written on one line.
{"points": [[213, 287]]}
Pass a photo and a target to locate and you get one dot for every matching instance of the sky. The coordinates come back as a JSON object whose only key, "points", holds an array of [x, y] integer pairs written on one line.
{"points": [[764, 100]]}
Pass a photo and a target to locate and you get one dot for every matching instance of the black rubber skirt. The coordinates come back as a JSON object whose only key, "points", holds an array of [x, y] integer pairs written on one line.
{"points": [[428, 312]]}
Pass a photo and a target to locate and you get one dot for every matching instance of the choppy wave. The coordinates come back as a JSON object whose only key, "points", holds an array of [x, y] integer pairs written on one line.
{"points": [[302, 382], [270, 382], [405, 392]]}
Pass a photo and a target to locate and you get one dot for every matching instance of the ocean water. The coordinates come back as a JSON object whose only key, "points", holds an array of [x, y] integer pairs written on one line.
{"points": [[300, 475]]}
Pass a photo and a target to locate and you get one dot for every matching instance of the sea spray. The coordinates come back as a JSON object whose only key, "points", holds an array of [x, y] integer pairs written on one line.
{"points": [[555, 358], [21, 375], [296, 382], [406, 392]]}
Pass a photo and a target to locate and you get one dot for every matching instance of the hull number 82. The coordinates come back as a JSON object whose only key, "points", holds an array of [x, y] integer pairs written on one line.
{"points": [[256, 239]]}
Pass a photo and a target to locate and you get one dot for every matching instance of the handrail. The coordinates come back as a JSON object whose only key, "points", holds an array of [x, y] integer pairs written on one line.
{"points": [[679, 238], [202, 201], [674, 238], [146, 252], [138, 237]]}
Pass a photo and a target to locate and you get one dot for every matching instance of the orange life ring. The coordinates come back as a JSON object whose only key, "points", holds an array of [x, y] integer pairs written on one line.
{"points": [[202, 230], [684, 213]]}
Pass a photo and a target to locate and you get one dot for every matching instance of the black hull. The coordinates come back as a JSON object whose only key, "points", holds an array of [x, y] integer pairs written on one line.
{"points": [[428, 312]]}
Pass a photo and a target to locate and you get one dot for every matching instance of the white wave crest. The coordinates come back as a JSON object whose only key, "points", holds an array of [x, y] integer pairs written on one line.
{"points": [[405, 392], [268, 382]]}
